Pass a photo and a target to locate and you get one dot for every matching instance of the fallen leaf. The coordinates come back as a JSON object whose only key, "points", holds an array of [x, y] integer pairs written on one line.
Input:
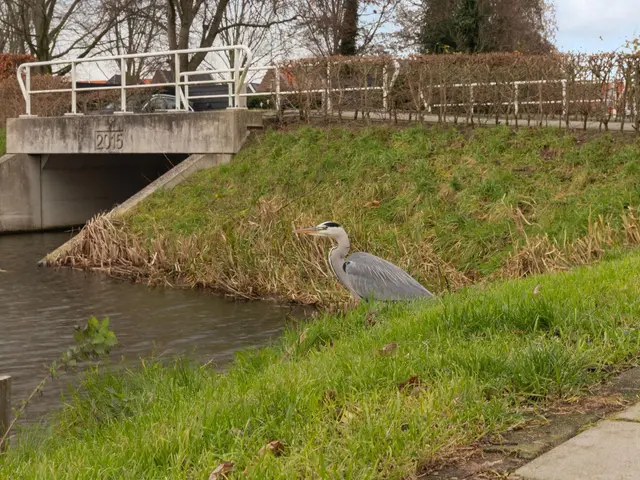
{"points": [[388, 348], [536, 290], [221, 470], [411, 382], [370, 319], [275, 446]]}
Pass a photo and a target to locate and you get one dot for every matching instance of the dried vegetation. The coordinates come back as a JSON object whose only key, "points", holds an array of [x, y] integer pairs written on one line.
{"points": [[451, 206]]}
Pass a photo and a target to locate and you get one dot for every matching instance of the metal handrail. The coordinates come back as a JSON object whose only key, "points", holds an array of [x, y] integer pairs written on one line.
{"points": [[26, 68]]}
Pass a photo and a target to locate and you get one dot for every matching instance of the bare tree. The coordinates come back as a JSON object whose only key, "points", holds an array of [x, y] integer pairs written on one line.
{"points": [[329, 27], [139, 27], [10, 41], [266, 43], [199, 23], [53, 29]]}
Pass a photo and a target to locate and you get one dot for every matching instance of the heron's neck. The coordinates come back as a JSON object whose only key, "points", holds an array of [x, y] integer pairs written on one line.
{"points": [[336, 259], [339, 251]]}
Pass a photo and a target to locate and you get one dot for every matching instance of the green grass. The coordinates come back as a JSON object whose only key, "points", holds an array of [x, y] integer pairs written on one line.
{"points": [[484, 357], [453, 204], [3, 141]]}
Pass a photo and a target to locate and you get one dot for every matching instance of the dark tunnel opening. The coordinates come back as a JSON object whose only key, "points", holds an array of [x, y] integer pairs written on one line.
{"points": [[75, 187]]}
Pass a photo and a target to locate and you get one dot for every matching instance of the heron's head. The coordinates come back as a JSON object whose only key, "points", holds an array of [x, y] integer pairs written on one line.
{"points": [[324, 229]]}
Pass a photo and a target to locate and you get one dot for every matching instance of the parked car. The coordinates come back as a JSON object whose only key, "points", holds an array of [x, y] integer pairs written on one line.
{"points": [[162, 102], [159, 102]]}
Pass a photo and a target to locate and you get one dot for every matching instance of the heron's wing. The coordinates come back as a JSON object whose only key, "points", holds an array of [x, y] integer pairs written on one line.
{"points": [[374, 277]]}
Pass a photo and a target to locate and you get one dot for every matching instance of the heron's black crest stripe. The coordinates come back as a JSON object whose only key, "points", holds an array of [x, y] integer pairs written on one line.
{"points": [[331, 224], [344, 266]]}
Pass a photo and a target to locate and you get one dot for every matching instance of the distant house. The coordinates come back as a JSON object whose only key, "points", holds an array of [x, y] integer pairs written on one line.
{"points": [[268, 83]]}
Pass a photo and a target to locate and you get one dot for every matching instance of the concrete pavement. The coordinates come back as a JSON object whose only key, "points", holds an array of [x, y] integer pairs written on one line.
{"points": [[608, 451]]}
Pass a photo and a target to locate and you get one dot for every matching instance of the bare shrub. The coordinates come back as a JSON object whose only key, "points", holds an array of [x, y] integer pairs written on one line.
{"points": [[493, 87]]}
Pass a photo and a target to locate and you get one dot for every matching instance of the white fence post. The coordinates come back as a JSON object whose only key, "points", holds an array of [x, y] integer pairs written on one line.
{"points": [[277, 77], [564, 98], [515, 100], [385, 88], [28, 99], [74, 107], [329, 104], [176, 61], [123, 85]]}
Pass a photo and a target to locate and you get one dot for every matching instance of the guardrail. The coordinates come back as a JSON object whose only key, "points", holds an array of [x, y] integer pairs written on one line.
{"points": [[235, 78], [609, 100], [239, 74]]}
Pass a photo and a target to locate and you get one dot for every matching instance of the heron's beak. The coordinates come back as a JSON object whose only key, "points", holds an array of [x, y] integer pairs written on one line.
{"points": [[310, 230]]}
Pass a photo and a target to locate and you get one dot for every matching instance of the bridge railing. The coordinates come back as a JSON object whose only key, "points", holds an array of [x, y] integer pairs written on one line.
{"points": [[241, 54]]}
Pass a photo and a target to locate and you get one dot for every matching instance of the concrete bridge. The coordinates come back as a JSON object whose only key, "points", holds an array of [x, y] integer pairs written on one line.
{"points": [[60, 171]]}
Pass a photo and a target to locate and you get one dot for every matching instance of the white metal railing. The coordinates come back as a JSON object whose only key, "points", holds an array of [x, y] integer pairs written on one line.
{"points": [[239, 74], [516, 102], [235, 77], [387, 84]]}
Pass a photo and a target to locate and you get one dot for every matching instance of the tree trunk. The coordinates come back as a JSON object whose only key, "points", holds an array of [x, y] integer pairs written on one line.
{"points": [[349, 30]]}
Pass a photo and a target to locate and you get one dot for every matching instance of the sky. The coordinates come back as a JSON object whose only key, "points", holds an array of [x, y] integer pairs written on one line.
{"points": [[596, 25]]}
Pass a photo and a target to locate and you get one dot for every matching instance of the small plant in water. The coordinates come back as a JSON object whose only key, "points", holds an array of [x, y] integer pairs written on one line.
{"points": [[93, 341]]}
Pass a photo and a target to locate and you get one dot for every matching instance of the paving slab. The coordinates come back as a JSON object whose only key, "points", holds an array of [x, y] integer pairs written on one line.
{"points": [[608, 451], [631, 414]]}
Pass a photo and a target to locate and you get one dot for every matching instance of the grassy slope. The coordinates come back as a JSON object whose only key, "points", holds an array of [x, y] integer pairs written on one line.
{"points": [[450, 203], [483, 355], [3, 141]]}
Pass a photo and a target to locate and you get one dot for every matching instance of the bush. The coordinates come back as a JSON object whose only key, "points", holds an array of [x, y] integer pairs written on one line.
{"points": [[507, 86]]}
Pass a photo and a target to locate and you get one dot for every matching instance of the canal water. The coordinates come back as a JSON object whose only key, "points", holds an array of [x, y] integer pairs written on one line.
{"points": [[40, 306]]}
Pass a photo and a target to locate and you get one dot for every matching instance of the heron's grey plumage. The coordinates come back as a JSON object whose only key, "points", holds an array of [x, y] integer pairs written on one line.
{"points": [[374, 277], [365, 275]]}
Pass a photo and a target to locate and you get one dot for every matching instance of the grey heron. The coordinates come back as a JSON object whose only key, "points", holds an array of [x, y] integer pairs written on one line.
{"points": [[365, 275]]}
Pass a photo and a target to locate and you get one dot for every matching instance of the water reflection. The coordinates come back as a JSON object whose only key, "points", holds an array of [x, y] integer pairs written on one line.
{"points": [[40, 306]]}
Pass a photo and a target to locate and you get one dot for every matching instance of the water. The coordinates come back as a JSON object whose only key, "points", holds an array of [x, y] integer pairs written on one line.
{"points": [[40, 306]]}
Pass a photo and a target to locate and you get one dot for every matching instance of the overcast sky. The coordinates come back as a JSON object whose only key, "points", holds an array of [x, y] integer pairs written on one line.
{"points": [[581, 23]]}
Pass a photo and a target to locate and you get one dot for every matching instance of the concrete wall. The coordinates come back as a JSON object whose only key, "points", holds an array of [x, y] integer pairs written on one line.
{"points": [[54, 191], [169, 180], [221, 131], [76, 187], [61, 171], [19, 193]]}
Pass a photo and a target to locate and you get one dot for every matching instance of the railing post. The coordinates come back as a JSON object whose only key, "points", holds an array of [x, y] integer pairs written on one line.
{"points": [[230, 89], [123, 83], [28, 81], [5, 407], [328, 88], [472, 100], [73, 88], [564, 98], [236, 79], [277, 76], [385, 88], [176, 61], [186, 90], [515, 100]]}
